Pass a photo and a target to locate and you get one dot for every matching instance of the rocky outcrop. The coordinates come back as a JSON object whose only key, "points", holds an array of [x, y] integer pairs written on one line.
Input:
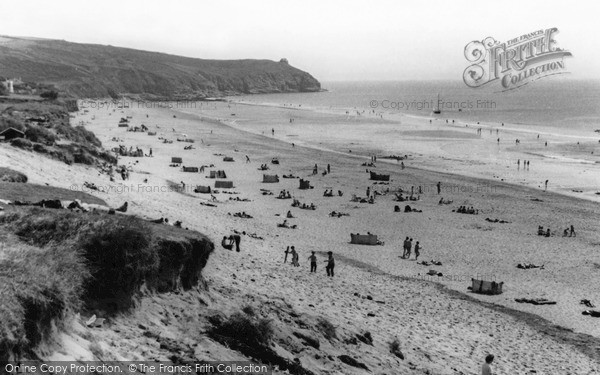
{"points": [[87, 70]]}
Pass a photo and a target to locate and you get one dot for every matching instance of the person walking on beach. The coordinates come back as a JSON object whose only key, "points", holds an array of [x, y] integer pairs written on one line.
{"points": [[439, 187], [247, 159], [409, 248], [405, 248], [572, 232], [417, 250], [546, 185], [486, 368], [328, 168], [330, 264], [313, 262], [150, 151]]}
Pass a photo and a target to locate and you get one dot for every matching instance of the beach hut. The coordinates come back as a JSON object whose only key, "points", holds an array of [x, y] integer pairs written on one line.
{"points": [[304, 184], [228, 158], [176, 160], [11, 133], [380, 177], [270, 178], [363, 239], [202, 189], [191, 169], [223, 184], [486, 287]]}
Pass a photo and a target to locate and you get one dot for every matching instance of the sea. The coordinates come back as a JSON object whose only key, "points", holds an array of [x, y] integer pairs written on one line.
{"points": [[554, 101]]}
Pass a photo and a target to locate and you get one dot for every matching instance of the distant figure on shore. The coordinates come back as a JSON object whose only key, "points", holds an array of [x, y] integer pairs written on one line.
{"points": [[313, 262], [315, 169], [272, 131], [402, 165], [330, 264], [439, 187], [572, 232], [328, 168], [150, 151], [417, 250], [546, 185], [286, 252], [519, 164], [486, 368], [546, 143], [247, 159], [368, 192]]}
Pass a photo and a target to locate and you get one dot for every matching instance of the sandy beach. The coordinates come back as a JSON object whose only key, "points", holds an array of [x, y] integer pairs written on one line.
{"points": [[443, 328]]}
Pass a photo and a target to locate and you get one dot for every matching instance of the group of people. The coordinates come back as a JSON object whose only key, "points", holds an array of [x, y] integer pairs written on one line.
{"points": [[304, 206], [329, 268], [525, 164], [408, 246], [569, 232], [284, 194], [467, 210], [542, 232], [329, 193], [229, 242]]}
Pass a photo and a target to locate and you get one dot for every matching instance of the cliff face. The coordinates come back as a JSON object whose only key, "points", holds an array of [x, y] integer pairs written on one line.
{"points": [[86, 70]]}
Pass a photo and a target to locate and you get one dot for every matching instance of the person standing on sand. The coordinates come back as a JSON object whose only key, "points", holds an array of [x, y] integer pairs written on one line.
{"points": [[409, 248], [328, 168], [417, 250], [485, 368], [295, 257], [330, 264], [405, 248], [313, 262], [247, 159], [546, 185], [572, 232], [237, 240], [439, 187], [287, 251]]}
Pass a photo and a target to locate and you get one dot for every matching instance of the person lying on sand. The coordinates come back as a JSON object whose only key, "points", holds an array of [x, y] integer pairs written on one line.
{"points": [[286, 225], [527, 266]]}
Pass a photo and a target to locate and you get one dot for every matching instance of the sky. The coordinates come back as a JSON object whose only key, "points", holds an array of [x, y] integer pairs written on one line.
{"points": [[333, 40]]}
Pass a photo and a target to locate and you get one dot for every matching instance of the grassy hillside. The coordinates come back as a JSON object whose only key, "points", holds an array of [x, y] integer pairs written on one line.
{"points": [[48, 131], [89, 70]]}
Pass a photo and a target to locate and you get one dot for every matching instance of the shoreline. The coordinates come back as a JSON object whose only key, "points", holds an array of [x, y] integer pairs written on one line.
{"points": [[568, 192]]}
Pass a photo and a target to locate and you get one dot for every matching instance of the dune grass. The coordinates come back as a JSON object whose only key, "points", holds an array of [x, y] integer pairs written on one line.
{"points": [[56, 261]]}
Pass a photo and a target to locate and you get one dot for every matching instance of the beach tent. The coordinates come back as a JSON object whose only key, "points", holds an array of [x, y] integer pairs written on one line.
{"points": [[380, 177], [202, 189], [191, 169], [363, 239], [228, 158], [224, 184], [151, 133], [486, 287], [217, 174], [176, 160], [270, 178], [304, 184]]}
